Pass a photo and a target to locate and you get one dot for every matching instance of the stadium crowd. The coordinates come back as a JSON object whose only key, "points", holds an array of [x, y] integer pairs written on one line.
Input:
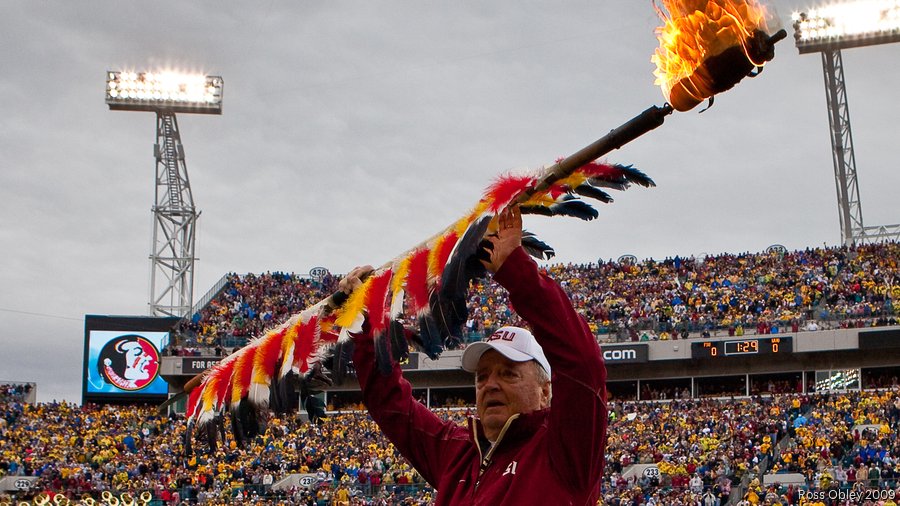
{"points": [[700, 451], [676, 298], [87, 450]]}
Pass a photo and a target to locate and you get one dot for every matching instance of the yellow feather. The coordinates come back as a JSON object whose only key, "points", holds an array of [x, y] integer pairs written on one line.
{"points": [[539, 199], [434, 270], [209, 394], [399, 278], [354, 305], [259, 375], [400, 273], [239, 365], [460, 226], [463, 224], [326, 325], [573, 180], [289, 338]]}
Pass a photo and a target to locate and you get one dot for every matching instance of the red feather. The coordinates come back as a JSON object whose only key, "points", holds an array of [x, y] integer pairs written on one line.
{"points": [[303, 346], [267, 354], [556, 191], [243, 372], [600, 170], [324, 333], [226, 370], [376, 302], [417, 281], [443, 253], [193, 398], [505, 189], [329, 337]]}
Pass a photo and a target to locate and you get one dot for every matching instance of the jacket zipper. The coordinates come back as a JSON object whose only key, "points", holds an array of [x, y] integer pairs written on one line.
{"points": [[486, 461]]}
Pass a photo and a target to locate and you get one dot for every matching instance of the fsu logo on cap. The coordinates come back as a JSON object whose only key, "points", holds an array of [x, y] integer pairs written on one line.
{"points": [[502, 334], [129, 362]]}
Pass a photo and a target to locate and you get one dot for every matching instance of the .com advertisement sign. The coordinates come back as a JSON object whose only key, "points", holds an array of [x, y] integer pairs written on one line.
{"points": [[125, 362]]}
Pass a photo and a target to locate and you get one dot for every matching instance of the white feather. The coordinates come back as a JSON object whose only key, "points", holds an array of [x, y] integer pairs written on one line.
{"points": [[313, 310], [355, 328], [357, 325], [397, 304], [259, 394], [286, 362], [205, 417]]}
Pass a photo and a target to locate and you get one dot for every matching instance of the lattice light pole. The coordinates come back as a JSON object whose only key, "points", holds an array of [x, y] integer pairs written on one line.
{"points": [[174, 215], [827, 30]]}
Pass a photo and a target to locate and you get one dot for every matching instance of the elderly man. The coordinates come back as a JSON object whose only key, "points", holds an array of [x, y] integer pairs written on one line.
{"points": [[521, 449]]}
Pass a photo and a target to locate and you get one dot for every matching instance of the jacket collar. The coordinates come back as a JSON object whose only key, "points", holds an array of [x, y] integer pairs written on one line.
{"points": [[519, 427]]}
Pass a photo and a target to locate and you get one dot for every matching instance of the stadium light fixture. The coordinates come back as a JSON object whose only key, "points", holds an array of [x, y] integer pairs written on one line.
{"points": [[845, 25], [164, 92]]}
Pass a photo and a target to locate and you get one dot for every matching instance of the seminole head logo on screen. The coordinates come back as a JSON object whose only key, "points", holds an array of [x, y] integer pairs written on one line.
{"points": [[129, 362]]}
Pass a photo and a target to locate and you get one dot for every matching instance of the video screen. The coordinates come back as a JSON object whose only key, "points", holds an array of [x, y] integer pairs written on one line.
{"points": [[122, 357]]}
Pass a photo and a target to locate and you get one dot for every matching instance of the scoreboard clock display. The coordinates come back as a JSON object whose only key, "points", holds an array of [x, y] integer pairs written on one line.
{"points": [[743, 347]]}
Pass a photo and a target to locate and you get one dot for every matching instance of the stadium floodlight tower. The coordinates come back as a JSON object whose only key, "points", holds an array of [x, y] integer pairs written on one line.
{"points": [[174, 215], [827, 30]]}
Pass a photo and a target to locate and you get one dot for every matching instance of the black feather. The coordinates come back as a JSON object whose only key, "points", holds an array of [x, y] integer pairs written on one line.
{"points": [[211, 430], [337, 362], [415, 339], [430, 334], [448, 304], [246, 422], [623, 180], [284, 392], [383, 355], [537, 248], [574, 208], [236, 430], [450, 315], [460, 271], [542, 210], [186, 439], [586, 190], [619, 183], [318, 378], [399, 346], [635, 176], [474, 265]]}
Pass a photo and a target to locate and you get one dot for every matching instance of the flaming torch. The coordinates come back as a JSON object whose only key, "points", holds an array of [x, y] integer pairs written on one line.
{"points": [[708, 46]]}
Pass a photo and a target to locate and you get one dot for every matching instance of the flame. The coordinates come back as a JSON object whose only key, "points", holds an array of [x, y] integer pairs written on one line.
{"points": [[695, 30]]}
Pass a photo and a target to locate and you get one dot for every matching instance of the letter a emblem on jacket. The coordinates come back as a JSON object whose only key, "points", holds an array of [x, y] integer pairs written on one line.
{"points": [[511, 468]]}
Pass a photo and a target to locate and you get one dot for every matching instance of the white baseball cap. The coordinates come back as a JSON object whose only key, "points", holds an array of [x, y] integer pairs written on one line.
{"points": [[514, 343]]}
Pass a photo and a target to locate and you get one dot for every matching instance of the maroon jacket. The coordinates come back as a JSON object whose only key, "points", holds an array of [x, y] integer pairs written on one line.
{"points": [[552, 456]]}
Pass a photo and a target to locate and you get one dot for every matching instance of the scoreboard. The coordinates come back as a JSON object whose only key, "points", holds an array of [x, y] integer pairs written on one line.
{"points": [[769, 345]]}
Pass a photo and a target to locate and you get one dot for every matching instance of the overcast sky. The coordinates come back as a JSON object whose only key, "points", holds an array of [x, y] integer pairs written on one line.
{"points": [[353, 130]]}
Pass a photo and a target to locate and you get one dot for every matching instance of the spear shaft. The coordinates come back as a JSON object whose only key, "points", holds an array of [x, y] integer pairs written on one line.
{"points": [[615, 139]]}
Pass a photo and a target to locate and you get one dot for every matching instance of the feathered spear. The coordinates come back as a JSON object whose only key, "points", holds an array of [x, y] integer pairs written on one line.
{"points": [[425, 286]]}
